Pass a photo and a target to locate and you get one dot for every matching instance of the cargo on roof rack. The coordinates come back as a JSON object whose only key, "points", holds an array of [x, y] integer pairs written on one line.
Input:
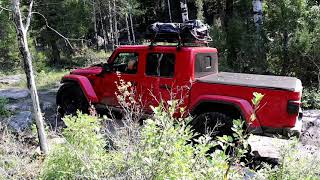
{"points": [[193, 31]]}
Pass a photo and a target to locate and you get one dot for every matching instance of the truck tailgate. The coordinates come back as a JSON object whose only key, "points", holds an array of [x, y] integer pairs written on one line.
{"points": [[253, 80]]}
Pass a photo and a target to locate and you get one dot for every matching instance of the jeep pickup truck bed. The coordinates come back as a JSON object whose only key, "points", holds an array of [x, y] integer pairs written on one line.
{"points": [[253, 80]]}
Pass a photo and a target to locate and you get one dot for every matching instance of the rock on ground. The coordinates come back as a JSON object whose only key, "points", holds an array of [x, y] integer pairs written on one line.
{"points": [[311, 128], [9, 80], [14, 93], [309, 141], [20, 121], [20, 104]]}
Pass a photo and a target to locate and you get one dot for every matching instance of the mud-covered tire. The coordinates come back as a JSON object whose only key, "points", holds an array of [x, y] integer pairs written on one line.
{"points": [[70, 98], [217, 123]]}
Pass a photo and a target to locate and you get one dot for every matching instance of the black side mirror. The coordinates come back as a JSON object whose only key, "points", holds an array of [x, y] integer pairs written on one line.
{"points": [[106, 68]]}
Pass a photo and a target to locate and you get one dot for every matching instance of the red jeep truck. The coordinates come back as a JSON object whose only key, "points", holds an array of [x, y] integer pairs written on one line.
{"points": [[212, 96]]}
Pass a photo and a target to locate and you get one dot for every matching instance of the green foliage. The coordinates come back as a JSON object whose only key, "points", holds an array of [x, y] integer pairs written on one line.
{"points": [[86, 57], [311, 99], [257, 97], [82, 156], [3, 111], [45, 79], [291, 28], [286, 43], [9, 52], [161, 149], [293, 165]]}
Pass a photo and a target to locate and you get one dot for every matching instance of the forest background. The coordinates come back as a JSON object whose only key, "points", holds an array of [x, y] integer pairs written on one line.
{"points": [[286, 43]]}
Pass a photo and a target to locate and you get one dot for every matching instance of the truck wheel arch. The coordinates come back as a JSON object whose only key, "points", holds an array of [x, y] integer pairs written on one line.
{"points": [[234, 107], [84, 84]]}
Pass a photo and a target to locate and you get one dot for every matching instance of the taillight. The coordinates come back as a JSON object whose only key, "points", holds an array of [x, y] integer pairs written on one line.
{"points": [[293, 107]]}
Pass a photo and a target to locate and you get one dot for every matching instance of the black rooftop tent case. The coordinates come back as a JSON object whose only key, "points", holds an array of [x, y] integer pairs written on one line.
{"points": [[188, 32]]}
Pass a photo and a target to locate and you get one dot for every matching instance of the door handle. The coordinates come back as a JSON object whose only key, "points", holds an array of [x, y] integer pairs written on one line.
{"points": [[165, 86]]}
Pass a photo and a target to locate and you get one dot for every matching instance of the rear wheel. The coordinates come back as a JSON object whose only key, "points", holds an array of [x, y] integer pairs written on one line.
{"points": [[70, 98], [216, 123]]}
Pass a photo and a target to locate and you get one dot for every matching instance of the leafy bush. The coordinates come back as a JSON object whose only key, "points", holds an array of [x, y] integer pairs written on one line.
{"points": [[160, 149], [82, 156], [311, 99], [3, 111], [293, 165]]}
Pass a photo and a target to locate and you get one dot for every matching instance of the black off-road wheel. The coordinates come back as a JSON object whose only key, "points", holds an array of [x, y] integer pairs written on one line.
{"points": [[215, 123], [70, 99], [218, 124]]}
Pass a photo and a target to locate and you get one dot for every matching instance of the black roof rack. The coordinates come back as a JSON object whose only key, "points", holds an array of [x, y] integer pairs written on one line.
{"points": [[193, 31]]}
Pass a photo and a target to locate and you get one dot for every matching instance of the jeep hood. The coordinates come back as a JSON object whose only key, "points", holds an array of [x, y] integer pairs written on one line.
{"points": [[87, 71], [254, 80]]}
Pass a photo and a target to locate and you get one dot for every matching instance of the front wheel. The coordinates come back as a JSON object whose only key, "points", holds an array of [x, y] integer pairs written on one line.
{"points": [[70, 98]]}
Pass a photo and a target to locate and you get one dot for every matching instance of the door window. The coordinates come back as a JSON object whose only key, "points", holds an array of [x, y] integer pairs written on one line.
{"points": [[126, 63], [160, 64]]}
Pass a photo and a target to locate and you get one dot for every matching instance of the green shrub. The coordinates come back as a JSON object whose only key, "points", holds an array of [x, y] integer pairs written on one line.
{"points": [[160, 149], [3, 111], [294, 165], [311, 99], [83, 156]]}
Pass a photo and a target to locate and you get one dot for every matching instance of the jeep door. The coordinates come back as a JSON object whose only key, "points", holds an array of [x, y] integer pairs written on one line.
{"points": [[159, 77], [124, 66]]}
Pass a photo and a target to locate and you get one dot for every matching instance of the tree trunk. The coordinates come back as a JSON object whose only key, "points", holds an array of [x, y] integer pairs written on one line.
{"points": [[228, 12], [221, 13], [199, 5], [184, 10], [232, 54], [169, 9], [95, 23], [27, 61], [285, 59], [103, 30], [115, 23], [257, 14], [132, 31], [128, 29], [111, 25], [55, 54]]}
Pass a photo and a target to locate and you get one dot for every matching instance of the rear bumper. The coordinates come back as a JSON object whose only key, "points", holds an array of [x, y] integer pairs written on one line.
{"points": [[283, 132]]}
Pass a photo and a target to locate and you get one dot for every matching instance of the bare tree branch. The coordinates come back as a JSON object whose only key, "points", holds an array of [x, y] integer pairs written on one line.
{"points": [[47, 24], [6, 9], [29, 16], [66, 39]]}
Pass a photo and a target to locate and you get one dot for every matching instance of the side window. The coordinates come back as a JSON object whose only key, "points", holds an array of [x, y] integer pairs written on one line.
{"points": [[206, 63], [126, 63], [160, 64]]}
